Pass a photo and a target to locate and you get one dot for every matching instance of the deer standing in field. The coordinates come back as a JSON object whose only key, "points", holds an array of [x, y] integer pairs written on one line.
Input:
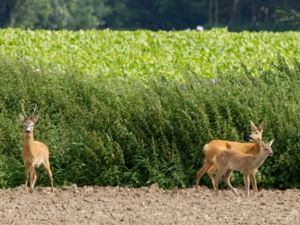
{"points": [[215, 147], [245, 163], [34, 153]]}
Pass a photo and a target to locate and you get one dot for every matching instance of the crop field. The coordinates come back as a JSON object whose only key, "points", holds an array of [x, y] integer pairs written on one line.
{"points": [[175, 55]]}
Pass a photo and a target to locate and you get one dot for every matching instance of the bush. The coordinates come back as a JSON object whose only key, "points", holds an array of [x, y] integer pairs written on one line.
{"points": [[110, 131]]}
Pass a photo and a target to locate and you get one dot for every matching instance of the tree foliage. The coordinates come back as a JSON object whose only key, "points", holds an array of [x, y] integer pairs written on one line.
{"points": [[56, 14], [148, 14]]}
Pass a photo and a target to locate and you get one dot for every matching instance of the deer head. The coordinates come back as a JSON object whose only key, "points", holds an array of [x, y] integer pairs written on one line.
{"points": [[256, 132], [28, 122], [266, 147]]}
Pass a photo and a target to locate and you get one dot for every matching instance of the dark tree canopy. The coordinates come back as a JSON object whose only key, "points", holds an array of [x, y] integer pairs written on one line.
{"points": [[150, 14]]}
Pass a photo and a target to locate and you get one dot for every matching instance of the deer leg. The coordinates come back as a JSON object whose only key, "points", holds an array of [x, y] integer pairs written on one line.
{"points": [[220, 173], [253, 182], [247, 184], [227, 181], [33, 177], [47, 167], [207, 165], [211, 171], [27, 174], [226, 176]]}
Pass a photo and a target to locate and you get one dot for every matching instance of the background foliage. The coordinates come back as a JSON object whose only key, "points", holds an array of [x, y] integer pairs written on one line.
{"points": [[150, 14], [110, 131], [143, 54]]}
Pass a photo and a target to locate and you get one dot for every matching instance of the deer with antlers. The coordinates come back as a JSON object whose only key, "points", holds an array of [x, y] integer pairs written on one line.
{"points": [[215, 147], [34, 153]]}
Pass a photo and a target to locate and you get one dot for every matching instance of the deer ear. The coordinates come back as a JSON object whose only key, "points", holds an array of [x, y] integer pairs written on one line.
{"points": [[271, 142], [261, 126], [253, 127], [35, 118], [22, 118]]}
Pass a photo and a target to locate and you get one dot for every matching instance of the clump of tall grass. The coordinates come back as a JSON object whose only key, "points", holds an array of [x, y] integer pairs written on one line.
{"points": [[110, 131]]}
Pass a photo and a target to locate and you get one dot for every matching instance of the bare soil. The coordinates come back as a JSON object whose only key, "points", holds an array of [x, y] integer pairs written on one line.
{"points": [[147, 205]]}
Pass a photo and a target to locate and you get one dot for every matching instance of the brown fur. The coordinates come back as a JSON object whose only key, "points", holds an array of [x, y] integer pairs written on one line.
{"points": [[215, 147], [245, 163], [34, 153]]}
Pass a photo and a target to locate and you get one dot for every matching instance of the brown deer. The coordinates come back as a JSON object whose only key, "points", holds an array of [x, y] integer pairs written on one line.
{"points": [[215, 147], [247, 164], [34, 153]]}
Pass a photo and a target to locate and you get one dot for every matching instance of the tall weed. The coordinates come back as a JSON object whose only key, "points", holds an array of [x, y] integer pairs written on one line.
{"points": [[111, 131]]}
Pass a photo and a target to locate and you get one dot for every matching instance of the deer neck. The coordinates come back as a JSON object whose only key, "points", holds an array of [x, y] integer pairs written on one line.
{"points": [[28, 141], [260, 158], [254, 150]]}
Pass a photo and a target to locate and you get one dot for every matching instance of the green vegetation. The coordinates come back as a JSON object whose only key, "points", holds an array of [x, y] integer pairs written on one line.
{"points": [[144, 54], [276, 15], [134, 108]]}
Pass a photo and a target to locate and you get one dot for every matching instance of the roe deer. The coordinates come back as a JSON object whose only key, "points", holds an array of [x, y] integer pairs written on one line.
{"points": [[215, 147], [34, 153], [247, 164]]}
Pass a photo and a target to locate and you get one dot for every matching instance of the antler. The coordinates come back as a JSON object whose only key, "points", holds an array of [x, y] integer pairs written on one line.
{"points": [[34, 111], [23, 111]]}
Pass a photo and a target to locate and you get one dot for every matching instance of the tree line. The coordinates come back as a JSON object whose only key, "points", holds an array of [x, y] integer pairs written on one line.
{"points": [[150, 14]]}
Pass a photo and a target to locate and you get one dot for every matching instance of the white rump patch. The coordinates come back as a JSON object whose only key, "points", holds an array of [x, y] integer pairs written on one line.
{"points": [[38, 161]]}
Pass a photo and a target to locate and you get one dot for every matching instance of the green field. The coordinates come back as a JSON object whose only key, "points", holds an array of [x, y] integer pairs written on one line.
{"points": [[143, 54], [104, 126]]}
